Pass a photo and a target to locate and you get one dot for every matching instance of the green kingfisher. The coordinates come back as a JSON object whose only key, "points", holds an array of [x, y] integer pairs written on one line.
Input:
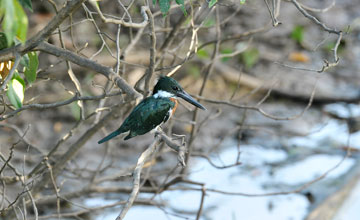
{"points": [[154, 110]]}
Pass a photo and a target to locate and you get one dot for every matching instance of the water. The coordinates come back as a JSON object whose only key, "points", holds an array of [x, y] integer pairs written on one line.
{"points": [[255, 176]]}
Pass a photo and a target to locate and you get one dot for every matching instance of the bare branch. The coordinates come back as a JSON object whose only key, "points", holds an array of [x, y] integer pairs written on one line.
{"points": [[122, 22]]}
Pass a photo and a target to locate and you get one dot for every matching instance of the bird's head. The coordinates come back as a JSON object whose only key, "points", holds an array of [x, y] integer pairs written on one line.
{"points": [[168, 87]]}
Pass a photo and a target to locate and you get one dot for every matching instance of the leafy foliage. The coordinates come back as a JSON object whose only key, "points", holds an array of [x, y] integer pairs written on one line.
{"points": [[14, 25], [30, 69], [226, 51], [165, 5], [26, 4], [15, 92], [250, 57], [15, 22], [298, 34], [3, 41], [212, 3]]}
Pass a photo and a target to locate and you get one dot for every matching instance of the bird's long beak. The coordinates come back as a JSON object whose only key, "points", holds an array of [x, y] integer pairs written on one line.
{"points": [[184, 95]]}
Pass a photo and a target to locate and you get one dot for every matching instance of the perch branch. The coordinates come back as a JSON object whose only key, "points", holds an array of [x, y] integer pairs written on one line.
{"points": [[137, 172]]}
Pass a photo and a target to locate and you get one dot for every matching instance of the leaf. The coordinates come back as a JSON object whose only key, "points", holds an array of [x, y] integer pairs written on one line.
{"points": [[209, 22], [75, 110], [250, 57], [30, 71], [212, 3], [226, 51], [26, 4], [15, 92], [194, 71], [3, 41], [298, 34], [15, 21], [25, 61], [164, 6], [242, 2], [9, 25], [202, 54], [182, 6], [22, 21]]}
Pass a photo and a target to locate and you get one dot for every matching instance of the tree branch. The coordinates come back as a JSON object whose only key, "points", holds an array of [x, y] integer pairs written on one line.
{"points": [[87, 63]]}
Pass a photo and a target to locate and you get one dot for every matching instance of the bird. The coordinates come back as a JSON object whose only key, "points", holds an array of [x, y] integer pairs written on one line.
{"points": [[154, 110]]}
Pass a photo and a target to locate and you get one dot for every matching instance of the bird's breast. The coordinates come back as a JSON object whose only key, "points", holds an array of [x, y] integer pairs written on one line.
{"points": [[175, 106]]}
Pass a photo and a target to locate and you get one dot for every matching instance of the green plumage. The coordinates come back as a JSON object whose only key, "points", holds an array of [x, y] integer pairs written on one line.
{"points": [[153, 110], [148, 114]]}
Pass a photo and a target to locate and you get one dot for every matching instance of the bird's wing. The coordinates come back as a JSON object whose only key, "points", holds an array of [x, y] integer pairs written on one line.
{"points": [[148, 114]]}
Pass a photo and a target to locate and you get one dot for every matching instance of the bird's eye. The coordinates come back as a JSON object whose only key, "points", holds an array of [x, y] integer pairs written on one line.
{"points": [[175, 88]]}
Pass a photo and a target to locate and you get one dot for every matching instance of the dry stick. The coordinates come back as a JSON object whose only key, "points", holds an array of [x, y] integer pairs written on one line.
{"points": [[122, 22], [150, 71], [104, 44], [321, 10], [314, 19], [275, 22], [36, 213], [109, 86], [56, 189], [137, 172], [203, 194]]}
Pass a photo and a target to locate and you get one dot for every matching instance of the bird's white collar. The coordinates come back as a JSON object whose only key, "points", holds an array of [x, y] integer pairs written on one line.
{"points": [[163, 94]]}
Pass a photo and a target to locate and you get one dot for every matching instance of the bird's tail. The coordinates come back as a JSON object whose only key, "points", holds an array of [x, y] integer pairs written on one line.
{"points": [[114, 134]]}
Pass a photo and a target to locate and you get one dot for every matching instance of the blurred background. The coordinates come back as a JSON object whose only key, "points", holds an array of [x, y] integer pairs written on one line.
{"points": [[279, 140]]}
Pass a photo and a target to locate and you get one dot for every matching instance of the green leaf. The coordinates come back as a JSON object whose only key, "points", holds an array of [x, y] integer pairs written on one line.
{"points": [[15, 92], [22, 21], [154, 2], [209, 22], [3, 41], [164, 6], [212, 3], [15, 21], [202, 54], [182, 6], [26, 4], [194, 71], [242, 2], [226, 51], [30, 71], [250, 57], [25, 61], [9, 25], [298, 34], [75, 110]]}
